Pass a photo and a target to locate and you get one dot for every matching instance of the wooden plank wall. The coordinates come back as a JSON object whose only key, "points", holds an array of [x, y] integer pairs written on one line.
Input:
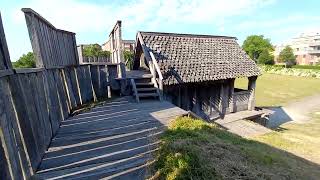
{"points": [[37, 101], [53, 47], [34, 101]]}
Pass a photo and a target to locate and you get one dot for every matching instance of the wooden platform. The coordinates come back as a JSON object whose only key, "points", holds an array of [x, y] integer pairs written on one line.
{"points": [[115, 140], [239, 124]]}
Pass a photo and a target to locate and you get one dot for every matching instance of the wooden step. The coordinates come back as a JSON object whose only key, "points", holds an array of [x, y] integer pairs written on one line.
{"points": [[148, 94], [144, 84], [146, 89]]}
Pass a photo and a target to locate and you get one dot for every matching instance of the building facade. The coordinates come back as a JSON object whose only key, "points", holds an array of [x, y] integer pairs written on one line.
{"points": [[306, 48], [127, 45]]}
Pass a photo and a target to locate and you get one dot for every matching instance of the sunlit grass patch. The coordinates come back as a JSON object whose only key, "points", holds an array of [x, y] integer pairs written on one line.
{"points": [[194, 149]]}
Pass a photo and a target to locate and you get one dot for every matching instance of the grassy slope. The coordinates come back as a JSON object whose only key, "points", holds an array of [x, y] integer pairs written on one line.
{"points": [[277, 90], [300, 139], [193, 149], [197, 150]]}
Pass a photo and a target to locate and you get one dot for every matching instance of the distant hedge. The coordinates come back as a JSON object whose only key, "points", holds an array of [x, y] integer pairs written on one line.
{"points": [[291, 71], [306, 67]]}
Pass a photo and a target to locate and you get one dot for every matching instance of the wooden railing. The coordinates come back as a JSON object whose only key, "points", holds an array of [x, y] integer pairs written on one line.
{"points": [[34, 101], [53, 47], [241, 100], [157, 77]]}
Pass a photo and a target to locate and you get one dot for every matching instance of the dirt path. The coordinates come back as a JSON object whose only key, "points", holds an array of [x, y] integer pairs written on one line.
{"points": [[298, 111]]}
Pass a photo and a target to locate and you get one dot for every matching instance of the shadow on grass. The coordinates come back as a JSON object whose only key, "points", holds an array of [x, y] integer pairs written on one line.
{"points": [[193, 149], [278, 118]]}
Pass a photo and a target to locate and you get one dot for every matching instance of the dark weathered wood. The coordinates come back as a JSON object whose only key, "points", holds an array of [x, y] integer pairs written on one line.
{"points": [[5, 62], [52, 47], [62, 94], [231, 96], [4, 170], [55, 113], [5, 72], [251, 89], [28, 70], [24, 120]]}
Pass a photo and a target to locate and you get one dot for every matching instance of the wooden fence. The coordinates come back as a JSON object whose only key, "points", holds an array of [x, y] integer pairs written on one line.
{"points": [[53, 47], [96, 59], [34, 101]]}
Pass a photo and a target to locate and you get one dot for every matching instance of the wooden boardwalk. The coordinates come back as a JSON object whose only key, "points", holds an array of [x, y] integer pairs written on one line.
{"points": [[113, 141], [236, 123]]}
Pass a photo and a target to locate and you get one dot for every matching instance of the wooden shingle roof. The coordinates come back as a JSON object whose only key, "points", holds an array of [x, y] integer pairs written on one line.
{"points": [[196, 58]]}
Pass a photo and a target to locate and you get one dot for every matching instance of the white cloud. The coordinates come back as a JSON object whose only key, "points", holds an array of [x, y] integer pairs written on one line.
{"points": [[84, 16], [93, 21]]}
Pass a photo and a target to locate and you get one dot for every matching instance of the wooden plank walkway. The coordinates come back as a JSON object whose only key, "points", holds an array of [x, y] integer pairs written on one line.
{"points": [[113, 141], [236, 123]]}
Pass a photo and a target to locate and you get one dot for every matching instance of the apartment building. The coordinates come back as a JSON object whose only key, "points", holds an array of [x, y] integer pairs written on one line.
{"points": [[306, 48], [127, 45]]}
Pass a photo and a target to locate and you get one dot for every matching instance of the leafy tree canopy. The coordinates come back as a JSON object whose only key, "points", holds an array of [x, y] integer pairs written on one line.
{"points": [[266, 58], [255, 44], [128, 56], [25, 61], [94, 50], [287, 56]]}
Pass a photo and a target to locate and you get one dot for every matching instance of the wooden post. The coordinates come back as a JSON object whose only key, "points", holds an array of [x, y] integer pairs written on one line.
{"points": [[231, 97], [223, 100], [5, 62], [251, 89], [80, 52]]}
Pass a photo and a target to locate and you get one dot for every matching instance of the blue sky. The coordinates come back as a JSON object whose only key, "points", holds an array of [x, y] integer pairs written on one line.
{"points": [[92, 20]]}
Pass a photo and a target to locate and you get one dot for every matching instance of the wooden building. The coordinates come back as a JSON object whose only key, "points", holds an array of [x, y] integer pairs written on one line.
{"points": [[197, 72]]}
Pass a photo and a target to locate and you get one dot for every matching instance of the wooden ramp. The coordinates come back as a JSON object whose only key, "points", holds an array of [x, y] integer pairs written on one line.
{"points": [[237, 123], [113, 141]]}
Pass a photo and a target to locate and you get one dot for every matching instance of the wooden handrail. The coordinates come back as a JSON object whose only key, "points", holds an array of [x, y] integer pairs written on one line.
{"points": [[134, 89], [154, 61], [155, 68]]}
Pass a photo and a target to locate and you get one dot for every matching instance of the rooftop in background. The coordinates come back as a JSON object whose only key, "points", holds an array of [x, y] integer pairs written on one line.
{"points": [[196, 58]]}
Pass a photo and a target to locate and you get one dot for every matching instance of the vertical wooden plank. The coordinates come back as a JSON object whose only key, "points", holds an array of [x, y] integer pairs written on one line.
{"points": [[69, 90], [53, 101], [8, 141], [103, 79], [36, 124], [84, 79], [24, 120], [96, 81], [5, 62], [61, 94], [4, 170], [252, 90], [75, 84], [77, 56], [231, 96]]}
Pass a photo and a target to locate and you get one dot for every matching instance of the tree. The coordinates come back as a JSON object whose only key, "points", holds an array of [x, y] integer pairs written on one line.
{"points": [[94, 50], [25, 61], [255, 44], [287, 56], [128, 57], [266, 58]]}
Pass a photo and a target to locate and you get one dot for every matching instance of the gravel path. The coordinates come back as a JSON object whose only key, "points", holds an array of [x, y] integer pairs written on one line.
{"points": [[298, 111]]}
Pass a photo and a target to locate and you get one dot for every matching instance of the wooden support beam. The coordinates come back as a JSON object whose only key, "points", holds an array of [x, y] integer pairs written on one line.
{"points": [[251, 89], [223, 100], [232, 105]]}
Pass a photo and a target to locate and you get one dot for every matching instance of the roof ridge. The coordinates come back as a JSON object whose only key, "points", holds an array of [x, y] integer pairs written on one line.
{"points": [[185, 35]]}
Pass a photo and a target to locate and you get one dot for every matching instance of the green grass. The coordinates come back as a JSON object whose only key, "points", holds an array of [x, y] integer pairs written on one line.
{"points": [[300, 139], [278, 90], [193, 149]]}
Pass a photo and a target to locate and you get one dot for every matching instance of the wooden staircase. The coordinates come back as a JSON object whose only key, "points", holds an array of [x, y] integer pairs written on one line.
{"points": [[144, 87]]}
